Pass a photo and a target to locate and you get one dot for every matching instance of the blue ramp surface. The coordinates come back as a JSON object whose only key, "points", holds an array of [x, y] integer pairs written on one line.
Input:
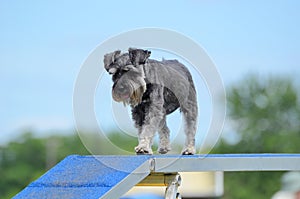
{"points": [[84, 177]]}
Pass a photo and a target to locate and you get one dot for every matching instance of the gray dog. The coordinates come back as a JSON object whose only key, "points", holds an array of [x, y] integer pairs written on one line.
{"points": [[154, 89]]}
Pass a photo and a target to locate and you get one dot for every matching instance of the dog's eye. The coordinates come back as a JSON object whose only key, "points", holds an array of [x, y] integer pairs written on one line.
{"points": [[119, 73], [122, 72]]}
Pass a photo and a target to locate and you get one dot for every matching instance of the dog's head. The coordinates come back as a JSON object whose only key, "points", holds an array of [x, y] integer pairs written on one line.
{"points": [[138, 56], [114, 60], [129, 80]]}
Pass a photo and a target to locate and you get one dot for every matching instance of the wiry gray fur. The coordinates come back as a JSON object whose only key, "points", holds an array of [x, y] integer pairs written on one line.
{"points": [[154, 89]]}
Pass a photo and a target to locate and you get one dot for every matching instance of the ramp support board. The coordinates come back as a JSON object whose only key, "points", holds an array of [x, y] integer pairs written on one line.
{"points": [[172, 187], [110, 177]]}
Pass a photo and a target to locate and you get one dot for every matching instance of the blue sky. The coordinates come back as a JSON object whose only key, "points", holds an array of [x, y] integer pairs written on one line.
{"points": [[44, 43]]}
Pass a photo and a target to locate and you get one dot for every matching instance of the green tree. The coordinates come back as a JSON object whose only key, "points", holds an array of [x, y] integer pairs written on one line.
{"points": [[27, 158], [265, 117]]}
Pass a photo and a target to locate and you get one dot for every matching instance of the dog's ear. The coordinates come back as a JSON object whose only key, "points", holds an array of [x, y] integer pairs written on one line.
{"points": [[132, 55], [131, 49], [138, 56], [110, 58], [116, 54], [147, 54]]}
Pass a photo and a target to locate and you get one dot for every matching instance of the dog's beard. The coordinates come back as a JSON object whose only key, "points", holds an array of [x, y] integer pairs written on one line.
{"points": [[137, 95], [137, 90], [134, 98]]}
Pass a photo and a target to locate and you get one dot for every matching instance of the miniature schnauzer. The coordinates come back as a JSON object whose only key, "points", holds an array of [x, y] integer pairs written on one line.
{"points": [[154, 89]]}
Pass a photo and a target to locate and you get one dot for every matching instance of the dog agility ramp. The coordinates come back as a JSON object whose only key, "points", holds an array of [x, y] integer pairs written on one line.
{"points": [[110, 177], [89, 177]]}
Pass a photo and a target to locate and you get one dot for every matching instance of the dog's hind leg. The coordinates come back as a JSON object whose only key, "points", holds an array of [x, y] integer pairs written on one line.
{"points": [[164, 138], [190, 113]]}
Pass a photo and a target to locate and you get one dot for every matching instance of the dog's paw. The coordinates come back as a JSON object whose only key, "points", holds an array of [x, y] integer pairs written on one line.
{"points": [[140, 150], [163, 150], [188, 151]]}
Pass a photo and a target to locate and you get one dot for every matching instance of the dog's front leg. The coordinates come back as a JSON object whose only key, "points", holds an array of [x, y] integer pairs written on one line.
{"points": [[153, 117]]}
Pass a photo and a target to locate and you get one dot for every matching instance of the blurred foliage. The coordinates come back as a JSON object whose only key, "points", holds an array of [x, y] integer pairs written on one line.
{"points": [[264, 114], [265, 117], [27, 158]]}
